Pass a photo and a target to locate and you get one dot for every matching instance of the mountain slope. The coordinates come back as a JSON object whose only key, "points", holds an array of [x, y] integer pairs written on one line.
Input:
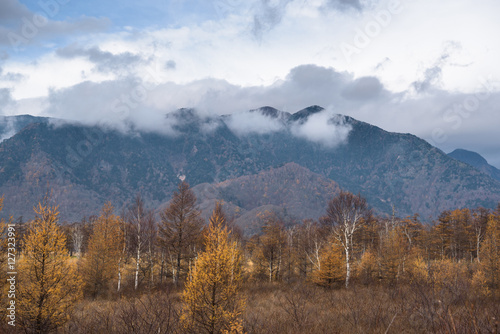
{"points": [[477, 161], [85, 166], [291, 191]]}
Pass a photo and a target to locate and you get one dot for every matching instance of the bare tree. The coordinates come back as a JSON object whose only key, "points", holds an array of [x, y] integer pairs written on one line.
{"points": [[345, 214], [77, 239], [138, 217], [180, 229]]}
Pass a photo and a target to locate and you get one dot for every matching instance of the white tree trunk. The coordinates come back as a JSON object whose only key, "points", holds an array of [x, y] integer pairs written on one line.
{"points": [[137, 261], [348, 267]]}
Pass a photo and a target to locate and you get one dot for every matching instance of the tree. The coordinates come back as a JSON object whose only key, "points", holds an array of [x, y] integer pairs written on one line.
{"points": [[100, 265], [270, 248], [49, 286], [141, 221], [180, 229], [346, 213], [212, 300], [490, 249], [479, 225], [332, 269]]}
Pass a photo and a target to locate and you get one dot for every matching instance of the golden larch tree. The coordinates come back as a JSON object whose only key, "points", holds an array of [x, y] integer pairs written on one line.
{"points": [[49, 285], [332, 269], [100, 265], [212, 297]]}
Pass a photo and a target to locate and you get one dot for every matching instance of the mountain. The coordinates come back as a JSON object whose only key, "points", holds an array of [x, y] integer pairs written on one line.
{"points": [[10, 125], [477, 161], [84, 166], [291, 191]]}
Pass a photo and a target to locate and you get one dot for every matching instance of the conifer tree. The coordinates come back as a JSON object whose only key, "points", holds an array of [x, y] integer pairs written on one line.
{"points": [[333, 269], [100, 265], [212, 300], [49, 285]]}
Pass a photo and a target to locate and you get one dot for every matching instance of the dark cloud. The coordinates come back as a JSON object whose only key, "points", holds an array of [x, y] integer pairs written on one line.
{"points": [[268, 16], [344, 5], [365, 88], [104, 61], [20, 27], [432, 74], [12, 10], [170, 65]]}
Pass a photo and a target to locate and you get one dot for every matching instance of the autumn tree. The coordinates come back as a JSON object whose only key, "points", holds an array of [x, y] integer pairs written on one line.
{"points": [[141, 221], [479, 224], [212, 300], [49, 285], [490, 262], [393, 253], [311, 238], [331, 270], [180, 230], [100, 265], [270, 249], [346, 213]]}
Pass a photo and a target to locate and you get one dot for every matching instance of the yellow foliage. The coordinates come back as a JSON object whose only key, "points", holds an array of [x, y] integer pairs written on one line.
{"points": [[100, 265], [212, 300], [418, 270], [332, 265], [49, 285], [393, 254], [367, 270], [480, 283], [490, 258]]}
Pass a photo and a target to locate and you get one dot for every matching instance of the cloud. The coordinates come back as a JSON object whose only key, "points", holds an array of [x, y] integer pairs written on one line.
{"points": [[20, 27], [447, 120], [5, 96], [432, 75], [254, 121], [344, 5], [325, 127], [365, 88], [104, 61], [268, 15], [12, 10], [116, 104]]}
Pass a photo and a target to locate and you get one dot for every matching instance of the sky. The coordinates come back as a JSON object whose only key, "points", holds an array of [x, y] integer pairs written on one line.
{"points": [[424, 67]]}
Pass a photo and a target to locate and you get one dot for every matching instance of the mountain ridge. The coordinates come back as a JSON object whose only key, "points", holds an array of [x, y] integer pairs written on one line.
{"points": [[389, 169], [477, 161]]}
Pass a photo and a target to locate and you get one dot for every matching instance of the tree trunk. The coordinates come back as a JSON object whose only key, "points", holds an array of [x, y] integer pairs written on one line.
{"points": [[348, 267], [137, 261]]}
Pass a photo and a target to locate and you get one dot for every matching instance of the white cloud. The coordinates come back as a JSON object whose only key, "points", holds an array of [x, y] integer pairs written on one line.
{"points": [[248, 122], [325, 127]]}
